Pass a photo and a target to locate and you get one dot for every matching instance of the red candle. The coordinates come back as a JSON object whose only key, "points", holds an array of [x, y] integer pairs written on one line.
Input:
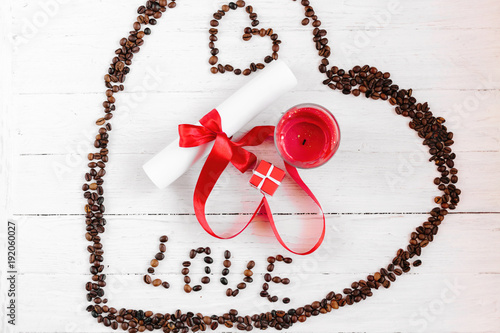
{"points": [[307, 136]]}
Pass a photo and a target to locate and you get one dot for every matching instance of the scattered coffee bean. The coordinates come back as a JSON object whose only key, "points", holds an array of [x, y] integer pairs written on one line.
{"points": [[162, 248]]}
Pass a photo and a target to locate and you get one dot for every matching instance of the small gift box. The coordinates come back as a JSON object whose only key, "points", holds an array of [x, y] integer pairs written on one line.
{"points": [[267, 178]]}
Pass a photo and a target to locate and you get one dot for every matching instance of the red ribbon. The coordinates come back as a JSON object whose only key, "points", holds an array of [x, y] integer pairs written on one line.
{"points": [[224, 152]]}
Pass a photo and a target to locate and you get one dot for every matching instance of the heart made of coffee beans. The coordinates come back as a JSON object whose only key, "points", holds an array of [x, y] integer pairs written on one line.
{"points": [[248, 33], [359, 81]]}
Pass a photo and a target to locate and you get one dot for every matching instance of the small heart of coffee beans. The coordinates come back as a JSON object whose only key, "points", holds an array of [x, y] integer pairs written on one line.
{"points": [[248, 33]]}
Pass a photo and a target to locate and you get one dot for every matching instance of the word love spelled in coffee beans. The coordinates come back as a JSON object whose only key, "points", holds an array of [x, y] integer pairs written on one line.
{"points": [[367, 81]]}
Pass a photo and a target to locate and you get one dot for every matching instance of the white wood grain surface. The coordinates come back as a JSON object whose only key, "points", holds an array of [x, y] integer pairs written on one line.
{"points": [[375, 191]]}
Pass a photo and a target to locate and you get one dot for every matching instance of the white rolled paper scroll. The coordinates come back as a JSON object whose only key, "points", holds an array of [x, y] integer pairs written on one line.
{"points": [[235, 112]]}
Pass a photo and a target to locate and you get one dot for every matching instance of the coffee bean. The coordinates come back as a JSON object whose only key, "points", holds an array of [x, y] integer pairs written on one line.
{"points": [[162, 248], [157, 282], [251, 264], [213, 60], [187, 288], [248, 272], [223, 280], [227, 254], [207, 270], [208, 260], [163, 239], [147, 279], [165, 285], [154, 263], [197, 288], [205, 280], [227, 263]]}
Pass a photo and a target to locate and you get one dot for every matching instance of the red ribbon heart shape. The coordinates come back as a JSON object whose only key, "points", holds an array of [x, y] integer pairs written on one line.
{"points": [[224, 152]]}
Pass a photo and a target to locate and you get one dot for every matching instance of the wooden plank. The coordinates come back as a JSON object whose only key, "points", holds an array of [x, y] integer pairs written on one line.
{"points": [[351, 183], [343, 15], [354, 244], [412, 65], [145, 123], [431, 59], [432, 302], [464, 254]]}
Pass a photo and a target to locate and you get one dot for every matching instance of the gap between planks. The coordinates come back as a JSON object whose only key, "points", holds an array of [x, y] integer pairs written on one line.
{"points": [[281, 214]]}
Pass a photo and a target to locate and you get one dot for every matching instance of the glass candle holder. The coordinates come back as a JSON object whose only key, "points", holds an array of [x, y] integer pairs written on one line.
{"points": [[307, 136]]}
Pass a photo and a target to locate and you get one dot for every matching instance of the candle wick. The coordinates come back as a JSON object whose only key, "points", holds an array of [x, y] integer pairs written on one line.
{"points": [[304, 142]]}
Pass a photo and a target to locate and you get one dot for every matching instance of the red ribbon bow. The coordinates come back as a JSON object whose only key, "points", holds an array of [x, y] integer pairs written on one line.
{"points": [[224, 152]]}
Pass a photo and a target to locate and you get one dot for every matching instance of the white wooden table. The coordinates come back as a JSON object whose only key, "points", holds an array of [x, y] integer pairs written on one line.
{"points": [[375, 191]]}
